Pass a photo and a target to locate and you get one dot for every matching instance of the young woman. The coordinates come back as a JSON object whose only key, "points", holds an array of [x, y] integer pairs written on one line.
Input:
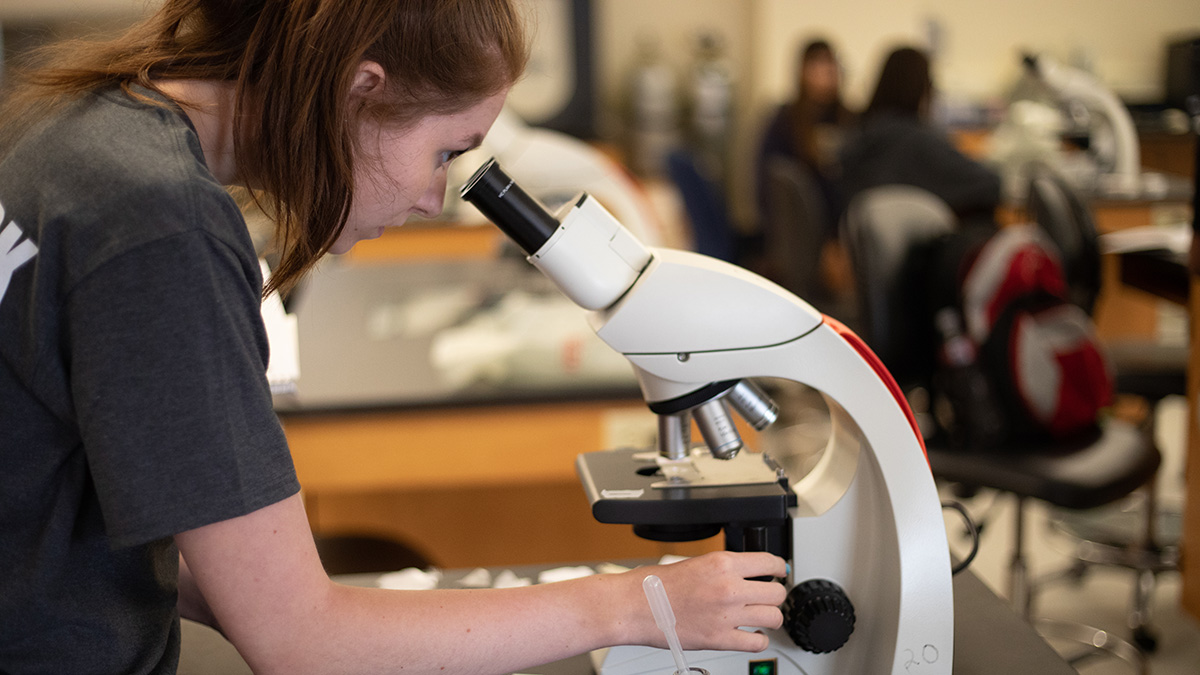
{"points": [[143, 474], [806, 133], [809, 129], [897, 144]]}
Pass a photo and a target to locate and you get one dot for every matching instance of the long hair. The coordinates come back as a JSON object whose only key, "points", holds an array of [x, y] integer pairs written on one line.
{"points": [[292, 63], [807, 111], [904, 84]]}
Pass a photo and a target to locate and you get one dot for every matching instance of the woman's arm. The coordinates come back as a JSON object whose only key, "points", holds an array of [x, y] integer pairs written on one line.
{"points": [[264, 582], [191, 603]]}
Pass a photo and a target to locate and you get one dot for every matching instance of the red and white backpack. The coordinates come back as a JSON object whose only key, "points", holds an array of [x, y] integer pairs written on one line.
{"points": [[1040, 352]]}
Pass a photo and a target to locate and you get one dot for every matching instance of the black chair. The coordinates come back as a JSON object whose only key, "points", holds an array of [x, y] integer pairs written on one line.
{"points": [[888, 231], [794, 237], [1148, 542], [1066, 219], [793, 228], [1150, 370]]}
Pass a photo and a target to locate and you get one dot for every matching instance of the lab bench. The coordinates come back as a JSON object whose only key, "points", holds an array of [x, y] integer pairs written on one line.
{"points": [[989, 638], [466, 486]]}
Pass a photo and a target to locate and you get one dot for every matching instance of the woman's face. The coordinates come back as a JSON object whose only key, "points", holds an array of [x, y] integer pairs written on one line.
{"points": [[820, 78], [403, 171]]}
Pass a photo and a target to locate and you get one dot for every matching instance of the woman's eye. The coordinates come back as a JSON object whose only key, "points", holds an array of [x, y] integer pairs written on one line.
{"points": [[450, 155]]}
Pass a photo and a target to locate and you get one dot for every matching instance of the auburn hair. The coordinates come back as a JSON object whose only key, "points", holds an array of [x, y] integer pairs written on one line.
{"points": [[293, 63]]}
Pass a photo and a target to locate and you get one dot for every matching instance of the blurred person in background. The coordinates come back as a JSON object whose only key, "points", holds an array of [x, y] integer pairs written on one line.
{"points": [[897, 144], [810, 128]]}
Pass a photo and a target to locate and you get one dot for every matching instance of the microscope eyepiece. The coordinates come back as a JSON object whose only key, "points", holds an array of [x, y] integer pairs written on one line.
{"points": [[504, 203]]}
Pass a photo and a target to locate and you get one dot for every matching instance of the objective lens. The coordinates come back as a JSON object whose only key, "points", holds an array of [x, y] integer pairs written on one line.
{"points": [[675, 435], [753, 404], [717, 428]]}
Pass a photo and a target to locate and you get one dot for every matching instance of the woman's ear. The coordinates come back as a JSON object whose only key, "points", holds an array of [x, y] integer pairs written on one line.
{"points": [[369, 79]]}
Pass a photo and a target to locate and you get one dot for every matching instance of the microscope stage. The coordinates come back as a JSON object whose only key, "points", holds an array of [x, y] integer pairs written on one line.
{"points": [[623, 486]]}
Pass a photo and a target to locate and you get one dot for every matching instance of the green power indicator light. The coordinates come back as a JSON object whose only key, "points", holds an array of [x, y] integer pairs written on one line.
{"points": [[763, 667]]}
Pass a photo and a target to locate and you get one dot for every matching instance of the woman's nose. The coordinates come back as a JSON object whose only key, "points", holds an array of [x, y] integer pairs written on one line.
{"points": [[431, 201]]}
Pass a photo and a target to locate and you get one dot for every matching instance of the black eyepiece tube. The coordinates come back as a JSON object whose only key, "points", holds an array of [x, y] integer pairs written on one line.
{"points": [[504, 203]]}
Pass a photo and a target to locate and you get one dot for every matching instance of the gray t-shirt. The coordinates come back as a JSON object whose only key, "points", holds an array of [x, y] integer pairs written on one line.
{"points": [[133, 398]]}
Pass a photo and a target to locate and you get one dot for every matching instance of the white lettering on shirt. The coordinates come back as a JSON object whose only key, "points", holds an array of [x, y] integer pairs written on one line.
{"points": [[12, 254]]}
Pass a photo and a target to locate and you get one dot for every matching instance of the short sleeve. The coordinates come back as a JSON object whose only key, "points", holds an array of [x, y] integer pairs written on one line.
{"points": [[167, 356]]}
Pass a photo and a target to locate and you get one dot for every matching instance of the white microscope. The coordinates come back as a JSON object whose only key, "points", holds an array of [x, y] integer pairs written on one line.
{"points": [[870, 584], [1109, 168], [1113, 133]]}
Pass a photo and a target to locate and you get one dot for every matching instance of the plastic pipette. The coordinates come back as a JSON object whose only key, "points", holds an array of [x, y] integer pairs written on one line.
{"points": [[665, 618]]}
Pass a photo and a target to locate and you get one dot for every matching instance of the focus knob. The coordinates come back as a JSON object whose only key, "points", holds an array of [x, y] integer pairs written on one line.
{"points": [[818, 616]]}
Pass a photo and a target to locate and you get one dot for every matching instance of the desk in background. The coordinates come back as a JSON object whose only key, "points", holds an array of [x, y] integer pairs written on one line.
{"points": [[467, 476], [1165, 275], [467, 485]]}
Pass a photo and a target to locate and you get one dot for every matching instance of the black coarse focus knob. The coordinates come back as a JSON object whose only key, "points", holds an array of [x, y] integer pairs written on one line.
{"points": [[818, 616]]}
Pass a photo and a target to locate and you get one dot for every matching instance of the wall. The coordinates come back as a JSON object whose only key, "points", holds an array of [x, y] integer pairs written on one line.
{"points": [[1123, 38], [980, 44], [43, 10], [979, 55]]}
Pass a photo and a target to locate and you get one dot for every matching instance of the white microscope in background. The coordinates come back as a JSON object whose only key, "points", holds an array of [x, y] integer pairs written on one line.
{"points": [[1110, 167], [870, 585]]}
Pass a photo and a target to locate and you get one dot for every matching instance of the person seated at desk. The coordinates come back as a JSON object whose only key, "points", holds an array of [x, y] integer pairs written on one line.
{"points": [[144, 475], [810, 128], [896, 144]]}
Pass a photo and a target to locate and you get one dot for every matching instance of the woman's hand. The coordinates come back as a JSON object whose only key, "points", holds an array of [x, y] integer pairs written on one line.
{"points": [[712, 596]]}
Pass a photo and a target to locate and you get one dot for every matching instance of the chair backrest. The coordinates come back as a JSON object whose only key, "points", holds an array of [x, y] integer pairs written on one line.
{"points": [[794, 228], [712, 232], [886, 231], [1062, 213]]}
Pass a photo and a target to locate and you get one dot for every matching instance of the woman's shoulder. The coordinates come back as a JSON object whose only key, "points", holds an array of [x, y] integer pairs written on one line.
{"points": [[109, 173], [124, 145], [122, 155]]}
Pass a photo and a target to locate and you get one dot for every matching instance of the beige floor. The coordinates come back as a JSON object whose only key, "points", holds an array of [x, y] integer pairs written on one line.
{"points": [[1103, 597]]}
